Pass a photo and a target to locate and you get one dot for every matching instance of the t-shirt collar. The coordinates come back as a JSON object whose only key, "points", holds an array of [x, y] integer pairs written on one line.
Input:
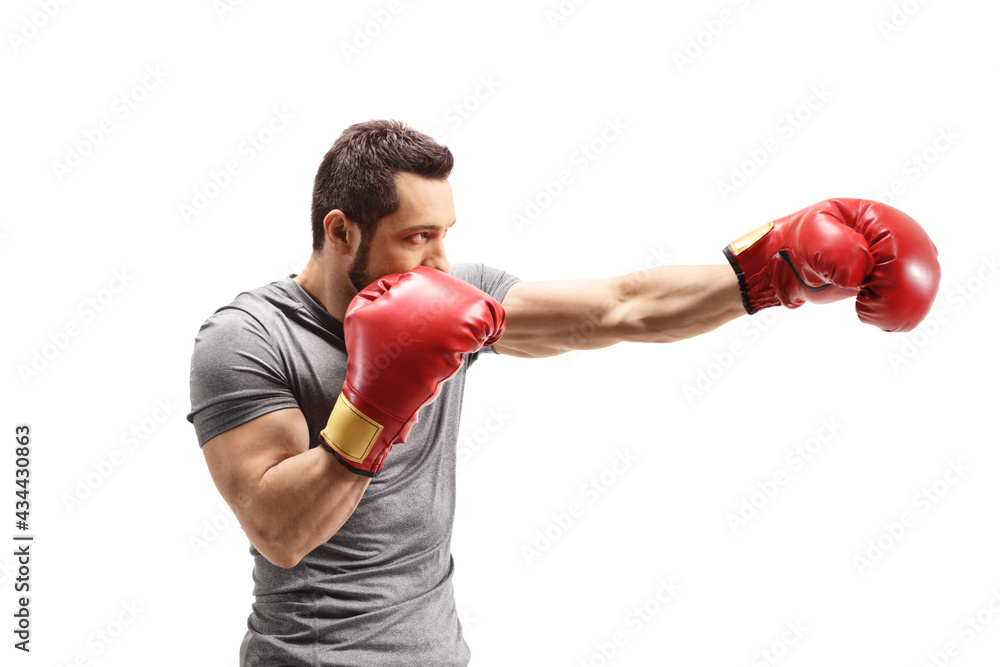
{"points": [[319, 312]]}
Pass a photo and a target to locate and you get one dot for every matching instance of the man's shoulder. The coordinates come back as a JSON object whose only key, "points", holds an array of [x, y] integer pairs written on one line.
{"points": [[491, 280], [468, 272], [272, 298], [256, 307]]}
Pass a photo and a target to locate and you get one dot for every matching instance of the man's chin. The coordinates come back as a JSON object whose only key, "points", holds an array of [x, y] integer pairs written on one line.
{"points": [[360, 283], [360, 277]]}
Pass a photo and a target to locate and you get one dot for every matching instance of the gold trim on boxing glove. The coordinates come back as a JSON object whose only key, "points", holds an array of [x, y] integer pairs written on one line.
{"points": [[748, 239], [350, 431]]}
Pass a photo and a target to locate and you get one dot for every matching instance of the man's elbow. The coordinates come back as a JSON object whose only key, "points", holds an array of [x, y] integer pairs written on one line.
{"points": [[277, 544], [285, 546], [285, 561], [282, 554]]}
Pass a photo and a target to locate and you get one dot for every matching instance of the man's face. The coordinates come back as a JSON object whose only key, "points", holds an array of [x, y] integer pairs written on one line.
{"points": [[412, 236]]}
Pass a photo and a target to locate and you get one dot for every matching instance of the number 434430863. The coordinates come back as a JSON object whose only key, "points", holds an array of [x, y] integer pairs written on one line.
{"points": [[22, 474]]}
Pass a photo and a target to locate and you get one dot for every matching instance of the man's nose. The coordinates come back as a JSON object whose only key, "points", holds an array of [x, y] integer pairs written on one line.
{"points": [[438, 260]]}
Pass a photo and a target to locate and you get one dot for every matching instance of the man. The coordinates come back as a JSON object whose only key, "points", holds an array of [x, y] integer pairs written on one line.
{"points": [[304, 391]]}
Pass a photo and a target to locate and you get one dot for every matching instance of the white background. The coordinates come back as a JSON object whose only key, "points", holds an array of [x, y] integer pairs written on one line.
{"points": [[899, 81]]}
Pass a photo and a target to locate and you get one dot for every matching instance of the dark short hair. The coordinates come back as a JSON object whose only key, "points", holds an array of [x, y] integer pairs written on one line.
{"points": [[358, 173]]}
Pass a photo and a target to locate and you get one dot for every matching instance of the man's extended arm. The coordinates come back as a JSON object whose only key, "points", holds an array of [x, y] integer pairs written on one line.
{"points": [[658, 305], [835, 249]]}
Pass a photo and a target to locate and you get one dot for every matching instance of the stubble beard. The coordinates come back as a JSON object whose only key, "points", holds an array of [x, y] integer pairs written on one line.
{"points": [[357, 272]]}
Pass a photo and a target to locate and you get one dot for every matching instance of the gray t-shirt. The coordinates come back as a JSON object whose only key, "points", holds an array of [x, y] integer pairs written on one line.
{"points": [[379, 592]]}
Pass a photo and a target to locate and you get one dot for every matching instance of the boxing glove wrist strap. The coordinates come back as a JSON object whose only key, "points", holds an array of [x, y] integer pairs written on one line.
{"points": [[752, 278], [740, 278], [350, 435]]}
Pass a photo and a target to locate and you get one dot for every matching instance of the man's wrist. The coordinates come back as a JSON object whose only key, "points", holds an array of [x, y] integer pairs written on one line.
{"points": [[353, 468]]}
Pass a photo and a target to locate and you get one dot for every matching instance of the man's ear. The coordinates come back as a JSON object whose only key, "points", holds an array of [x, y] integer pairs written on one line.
{"points": [[341, 232]]}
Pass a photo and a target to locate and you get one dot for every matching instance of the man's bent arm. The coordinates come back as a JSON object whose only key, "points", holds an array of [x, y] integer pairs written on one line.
{"points": [[658, 305], [288, 498]]}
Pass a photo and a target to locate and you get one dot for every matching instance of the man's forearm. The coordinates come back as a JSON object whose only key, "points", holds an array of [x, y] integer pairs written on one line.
{"points": [[658, 305], [670, 303], [301, 502]]}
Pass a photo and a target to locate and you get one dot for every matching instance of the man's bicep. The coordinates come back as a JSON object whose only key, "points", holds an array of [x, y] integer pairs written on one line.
{"points": [[238, 458], [552, 317]]}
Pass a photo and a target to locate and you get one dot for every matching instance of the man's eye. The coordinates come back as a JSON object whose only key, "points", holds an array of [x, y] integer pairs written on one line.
{"points": [[419, 236]]}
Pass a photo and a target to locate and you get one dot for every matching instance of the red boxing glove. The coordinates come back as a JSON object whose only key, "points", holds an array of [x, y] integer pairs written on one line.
{"points": [[836, 249], [405, 335]]}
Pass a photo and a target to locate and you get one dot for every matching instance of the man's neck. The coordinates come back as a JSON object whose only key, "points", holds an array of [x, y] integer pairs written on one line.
{"points": [[319, 281]]}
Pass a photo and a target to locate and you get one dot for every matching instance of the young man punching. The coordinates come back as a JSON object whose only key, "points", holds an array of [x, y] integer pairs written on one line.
{"points": [[304, 391]]}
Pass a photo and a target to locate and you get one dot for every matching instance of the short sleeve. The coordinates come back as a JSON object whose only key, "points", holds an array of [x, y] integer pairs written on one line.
{"points": [[236, 374], [494, 282]]}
